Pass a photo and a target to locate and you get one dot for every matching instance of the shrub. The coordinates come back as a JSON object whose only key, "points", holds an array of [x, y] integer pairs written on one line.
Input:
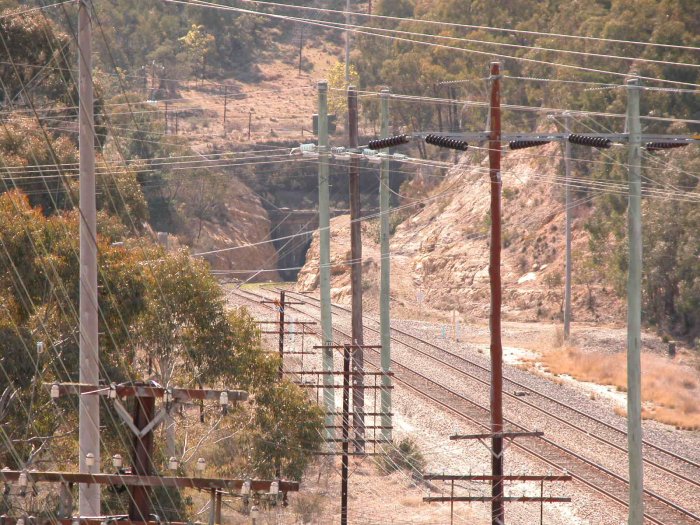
{"points": [[404, 456]]}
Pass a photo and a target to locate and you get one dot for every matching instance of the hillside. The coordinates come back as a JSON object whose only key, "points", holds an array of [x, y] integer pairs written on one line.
{"points": [[442, 249]]}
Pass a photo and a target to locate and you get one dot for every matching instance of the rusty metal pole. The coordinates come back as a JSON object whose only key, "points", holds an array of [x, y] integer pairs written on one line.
{"points": [[497, 510], [144, 408], [358, 393]]}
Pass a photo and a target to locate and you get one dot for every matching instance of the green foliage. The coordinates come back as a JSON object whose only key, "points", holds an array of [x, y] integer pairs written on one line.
{"points": [[198, 46], [28, 41], [32, 156], [405, 456], [417, 69], [670, 242], [289, 430], [27, 150], [338, 88], [157, 305]]}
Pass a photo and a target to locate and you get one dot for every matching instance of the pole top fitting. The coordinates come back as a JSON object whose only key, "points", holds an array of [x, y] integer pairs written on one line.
{"points": [[322, 84], [351, 87], [633, 82], [385, 92]]}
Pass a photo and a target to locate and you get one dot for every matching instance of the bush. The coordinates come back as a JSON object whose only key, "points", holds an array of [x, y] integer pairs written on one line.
{"points": [[405, 456]]}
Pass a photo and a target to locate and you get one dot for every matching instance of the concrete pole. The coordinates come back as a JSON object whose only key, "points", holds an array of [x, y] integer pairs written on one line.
{"points": [[567, 283], [496, 347], [385, 277], [634, 309], [325, 256], [358, 391], [89, 407]]}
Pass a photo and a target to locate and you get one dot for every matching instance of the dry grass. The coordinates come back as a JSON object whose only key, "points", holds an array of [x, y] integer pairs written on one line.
{"points": [[671, 391]]}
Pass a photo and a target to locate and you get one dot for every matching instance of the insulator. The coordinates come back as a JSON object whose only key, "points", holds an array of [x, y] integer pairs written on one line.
{"points": [[594, 142], [656, 146], [446, 142], [522, 144], [307, 147], [388, 142]]}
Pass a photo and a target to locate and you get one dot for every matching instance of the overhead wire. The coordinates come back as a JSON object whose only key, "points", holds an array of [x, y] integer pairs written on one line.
{"points": [[61, 284], [337, 25], [469, 26], [107, 326]]}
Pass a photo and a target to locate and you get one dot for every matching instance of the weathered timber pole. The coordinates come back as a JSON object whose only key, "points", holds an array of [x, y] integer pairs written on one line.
{"points": [[496, 348], [358, 394], [345, 436], [142, 460]]}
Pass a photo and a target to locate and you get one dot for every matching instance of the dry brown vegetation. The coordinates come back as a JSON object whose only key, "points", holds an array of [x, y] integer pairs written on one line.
{"points": [[670, 391]]}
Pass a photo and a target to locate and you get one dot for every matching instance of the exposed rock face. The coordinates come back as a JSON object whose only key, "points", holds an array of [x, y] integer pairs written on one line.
{"points": [[242, 228], [308, 278], [440, 254]]}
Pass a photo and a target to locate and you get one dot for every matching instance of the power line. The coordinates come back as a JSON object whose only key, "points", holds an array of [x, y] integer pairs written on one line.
{"points": [[470, 26], [335, 25], [33, 9]]}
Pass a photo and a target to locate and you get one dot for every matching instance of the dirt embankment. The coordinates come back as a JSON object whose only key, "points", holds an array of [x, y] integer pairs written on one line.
{"points": [[440, 254], [238, 236]]}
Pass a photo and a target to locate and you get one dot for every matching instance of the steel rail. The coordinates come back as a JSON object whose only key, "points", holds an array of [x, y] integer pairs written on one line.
{"points": [[580, 459], [551, 399]]}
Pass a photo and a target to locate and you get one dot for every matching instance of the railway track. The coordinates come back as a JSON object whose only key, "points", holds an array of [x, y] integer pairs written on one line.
{"points": [[658, 509], [564, 413]]}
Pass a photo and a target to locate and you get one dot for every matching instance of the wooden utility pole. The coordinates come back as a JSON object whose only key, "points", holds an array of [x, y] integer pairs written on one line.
{"points": [[358, 393], [345, 437], [143, 421], [634, 309], [347, 43], [142, 460], [89, 407], [496, 350], [301, 46], [225, 106], [166, 117], [282, 334]]}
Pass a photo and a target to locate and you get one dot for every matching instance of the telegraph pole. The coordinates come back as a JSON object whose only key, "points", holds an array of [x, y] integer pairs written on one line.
{"points": [[225, 106], [634, 308], [385, 278], [497, 510], [346, 437], [282, 334], [494, 136], [325, 256], [358, 393], [567, 285], [89, 407], [347, 42]]}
